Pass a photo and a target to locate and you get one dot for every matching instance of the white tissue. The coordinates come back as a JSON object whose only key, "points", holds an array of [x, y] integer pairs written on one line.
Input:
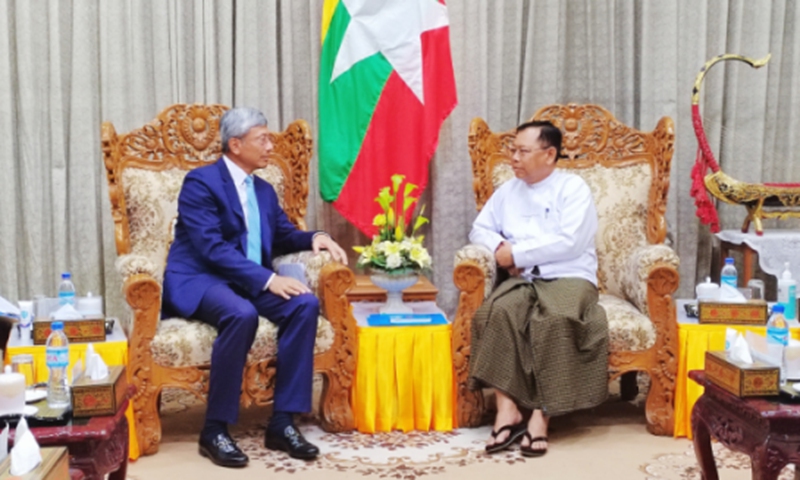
{"points": [[25, 455], [66, 312], [4, 443], [792, 357], [740, 351], [730, 294], [96, 368]]}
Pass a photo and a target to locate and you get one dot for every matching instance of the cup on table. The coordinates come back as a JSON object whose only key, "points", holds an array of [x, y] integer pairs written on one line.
{"points": [[757, 287], [23, 363]]}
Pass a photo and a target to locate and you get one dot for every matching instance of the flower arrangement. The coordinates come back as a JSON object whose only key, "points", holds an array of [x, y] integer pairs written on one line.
{"points": [[393, 251]]}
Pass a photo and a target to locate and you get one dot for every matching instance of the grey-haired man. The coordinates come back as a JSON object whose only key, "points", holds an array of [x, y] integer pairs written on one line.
{"points": [[230, 226]]}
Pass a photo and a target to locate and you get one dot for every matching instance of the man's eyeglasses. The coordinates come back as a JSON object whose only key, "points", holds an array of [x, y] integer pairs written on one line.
{"points": [[524, 152]]}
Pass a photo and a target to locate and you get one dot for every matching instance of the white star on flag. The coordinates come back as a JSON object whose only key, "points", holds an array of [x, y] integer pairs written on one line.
{"points": [[392, 28]]}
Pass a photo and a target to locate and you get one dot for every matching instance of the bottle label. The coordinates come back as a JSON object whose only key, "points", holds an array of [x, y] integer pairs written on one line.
{"points": [[66, 298], [778, 335], [730, 280], [57, 356]]}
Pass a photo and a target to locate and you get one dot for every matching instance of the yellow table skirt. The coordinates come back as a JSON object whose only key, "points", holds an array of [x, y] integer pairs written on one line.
{"points": [[404, 379], [113, 353], [694, 340]]}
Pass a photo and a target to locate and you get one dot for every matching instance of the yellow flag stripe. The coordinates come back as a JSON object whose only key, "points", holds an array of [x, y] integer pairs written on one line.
{"points": [[327, 14]]}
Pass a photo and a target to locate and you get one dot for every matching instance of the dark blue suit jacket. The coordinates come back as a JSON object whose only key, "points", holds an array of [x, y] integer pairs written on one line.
{"points": [[211, 239]]}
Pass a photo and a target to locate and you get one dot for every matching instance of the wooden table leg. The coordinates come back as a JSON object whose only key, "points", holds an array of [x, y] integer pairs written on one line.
{"points": [[702, 443], [764, 467], [748, 265]]}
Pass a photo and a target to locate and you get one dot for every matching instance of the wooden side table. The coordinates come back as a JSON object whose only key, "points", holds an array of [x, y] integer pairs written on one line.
{"points": [[748, 254], [365, 291], [404, 375], [767, 431]]}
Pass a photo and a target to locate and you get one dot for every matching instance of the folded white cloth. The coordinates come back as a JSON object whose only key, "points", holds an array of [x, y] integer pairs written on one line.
{"points": [[25, 455]]}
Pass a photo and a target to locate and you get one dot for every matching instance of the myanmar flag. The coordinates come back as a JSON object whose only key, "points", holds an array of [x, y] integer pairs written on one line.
{"points": [[385, 86]]}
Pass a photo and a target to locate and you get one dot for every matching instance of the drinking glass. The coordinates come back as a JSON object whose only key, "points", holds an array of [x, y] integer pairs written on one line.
{"points": [[23, 363]]}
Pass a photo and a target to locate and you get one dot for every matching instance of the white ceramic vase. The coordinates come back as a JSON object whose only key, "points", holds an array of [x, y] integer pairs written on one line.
{"points": [[394, 284]]}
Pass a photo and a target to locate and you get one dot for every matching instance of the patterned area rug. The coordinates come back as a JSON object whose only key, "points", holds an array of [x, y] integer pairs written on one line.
{"points": [[683, 466], [425, 455]]}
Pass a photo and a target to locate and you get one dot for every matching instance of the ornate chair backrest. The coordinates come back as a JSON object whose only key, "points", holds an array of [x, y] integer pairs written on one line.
{"points": [[145, 170], [626, 169]]}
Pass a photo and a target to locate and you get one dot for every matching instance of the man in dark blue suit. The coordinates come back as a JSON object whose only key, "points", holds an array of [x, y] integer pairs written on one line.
{"points": [[219, 271]]}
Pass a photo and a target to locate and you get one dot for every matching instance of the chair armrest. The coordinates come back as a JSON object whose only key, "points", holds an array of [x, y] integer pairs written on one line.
{"points": [[132, 264], [312, 263], [638, 269], [483, 259], [474, 276]]}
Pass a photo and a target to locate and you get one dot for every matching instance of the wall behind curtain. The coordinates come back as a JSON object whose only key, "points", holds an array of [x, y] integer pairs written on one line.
{"points": [[67, 66]]}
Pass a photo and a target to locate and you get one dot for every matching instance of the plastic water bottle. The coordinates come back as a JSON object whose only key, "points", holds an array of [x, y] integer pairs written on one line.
{"points": [[729, 274], [57, 355], [787, 293], [778, 338], [66, 290]]}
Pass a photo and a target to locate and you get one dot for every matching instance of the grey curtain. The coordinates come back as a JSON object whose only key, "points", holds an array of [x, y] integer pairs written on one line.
{"points": [[67, 66]]}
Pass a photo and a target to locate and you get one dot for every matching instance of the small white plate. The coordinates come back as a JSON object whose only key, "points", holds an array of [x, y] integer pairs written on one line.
{"points": [[29, 410], [35, 395]]}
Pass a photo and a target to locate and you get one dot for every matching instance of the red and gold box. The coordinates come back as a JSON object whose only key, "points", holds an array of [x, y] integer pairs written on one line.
{"points": [[92, 398], [77, 331], [743, 380], [754, 312]]}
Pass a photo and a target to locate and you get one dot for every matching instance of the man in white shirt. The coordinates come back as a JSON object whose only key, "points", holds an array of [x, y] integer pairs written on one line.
{"points": [[540, 340]]}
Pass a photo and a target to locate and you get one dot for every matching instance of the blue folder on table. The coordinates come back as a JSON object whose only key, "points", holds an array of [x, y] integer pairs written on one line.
{"points": [[405, 319]]}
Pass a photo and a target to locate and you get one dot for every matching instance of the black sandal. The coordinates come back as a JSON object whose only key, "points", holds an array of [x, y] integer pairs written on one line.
{"points": [[528, 451], [515, 431]]}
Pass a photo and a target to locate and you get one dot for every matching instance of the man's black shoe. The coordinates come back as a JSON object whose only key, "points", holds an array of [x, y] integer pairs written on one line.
{"points": [[223, 451], [292, 442]]}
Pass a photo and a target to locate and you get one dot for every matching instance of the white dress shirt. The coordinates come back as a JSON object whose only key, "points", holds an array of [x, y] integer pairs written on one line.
{"points": [[551, 225]]}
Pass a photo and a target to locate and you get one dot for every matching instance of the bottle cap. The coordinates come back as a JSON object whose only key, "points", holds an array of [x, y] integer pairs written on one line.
{"points": [[66, 275], [60, 325], [777, 308], [729, 261], [787, 274]]}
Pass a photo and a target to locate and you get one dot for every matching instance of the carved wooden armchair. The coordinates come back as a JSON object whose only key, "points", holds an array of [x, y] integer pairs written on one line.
{"points": [[628, 173], [145, 170]]}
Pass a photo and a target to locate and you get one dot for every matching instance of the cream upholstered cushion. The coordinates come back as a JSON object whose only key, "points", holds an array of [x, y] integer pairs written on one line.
{"points": [[183, 343], [629, 330]]}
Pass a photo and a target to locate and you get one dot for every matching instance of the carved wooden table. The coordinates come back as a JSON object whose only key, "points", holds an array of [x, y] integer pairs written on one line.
{"points": [[98, 446], [767, 431]]}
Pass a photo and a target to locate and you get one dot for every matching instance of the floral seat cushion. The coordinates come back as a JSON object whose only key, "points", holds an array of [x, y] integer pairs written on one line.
{"points": [[629, 330], [184, 343]]}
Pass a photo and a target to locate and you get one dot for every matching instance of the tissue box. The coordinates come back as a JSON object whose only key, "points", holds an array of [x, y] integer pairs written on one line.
{"points": [[91, 398], [54, 466], [754, 312], [78, 331], [754, 380]]}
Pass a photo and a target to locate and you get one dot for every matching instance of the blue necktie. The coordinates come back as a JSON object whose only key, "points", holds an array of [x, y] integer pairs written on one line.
{"points": [[253, 223]]}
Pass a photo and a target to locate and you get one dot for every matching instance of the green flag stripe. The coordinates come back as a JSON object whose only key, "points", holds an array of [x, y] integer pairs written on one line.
{"points": [[345, 107]]}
